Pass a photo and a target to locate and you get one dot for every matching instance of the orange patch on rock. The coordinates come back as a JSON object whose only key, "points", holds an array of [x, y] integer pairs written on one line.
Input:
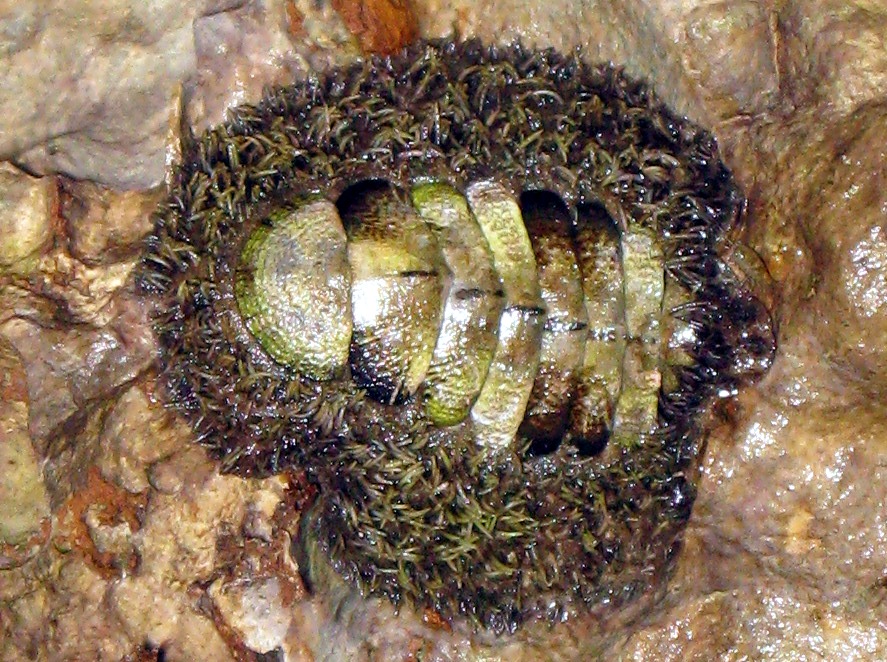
{"points": [[117, 506], [295, 21], [381, 26], [434, 620]]}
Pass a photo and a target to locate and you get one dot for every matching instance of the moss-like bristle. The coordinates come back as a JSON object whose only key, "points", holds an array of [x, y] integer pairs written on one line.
{"points": [[409, 510]]}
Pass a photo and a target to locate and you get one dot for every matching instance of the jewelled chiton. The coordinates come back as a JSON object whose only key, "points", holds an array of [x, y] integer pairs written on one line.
{"points": [[479, 296]]}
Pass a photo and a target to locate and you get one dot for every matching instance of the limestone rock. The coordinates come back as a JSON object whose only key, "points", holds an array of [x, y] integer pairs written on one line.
{"points": [[27, 205], [135, 435], [24, 505], [105, 225], [66, 370]]}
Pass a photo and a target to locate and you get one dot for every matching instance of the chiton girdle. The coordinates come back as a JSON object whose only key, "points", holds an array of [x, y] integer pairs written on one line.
{"points": [[411, 503]]}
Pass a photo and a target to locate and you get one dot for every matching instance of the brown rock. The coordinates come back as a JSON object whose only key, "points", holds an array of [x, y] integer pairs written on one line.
{"points": [[295, 19], [99, 522], [836, 52], [728, 53], [848, 231]]}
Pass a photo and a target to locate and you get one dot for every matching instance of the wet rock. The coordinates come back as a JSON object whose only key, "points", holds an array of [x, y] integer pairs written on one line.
{"points": [[98, 521], [255, 610], [81, 294], [240, 52], [24, 505], [702, 629], [27, 207], [772, 622], [319, 26], [182, 542], [177, 547], [135, 435], [91, 90], [801, 492], [816, 190], [95, 88], [78, 280], [709, 60], [181, 471], [178, 541], [23, 617], [256, 600], [105, 225], [837, 52], [259, 520], [68, 369], [163, 617], [848, 224], [81, 627], [728, 54], [114, 540]]}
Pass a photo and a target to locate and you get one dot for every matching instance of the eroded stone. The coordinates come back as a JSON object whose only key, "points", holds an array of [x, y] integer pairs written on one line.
{"points": [[135, 435], [27, 206], [24, 504], [105, 225], [255, 610], [66, 370]]}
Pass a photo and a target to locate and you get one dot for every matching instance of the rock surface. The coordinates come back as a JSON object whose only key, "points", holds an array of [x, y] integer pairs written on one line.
{"points": [[124, 537], [24, 505], [26, 213]]}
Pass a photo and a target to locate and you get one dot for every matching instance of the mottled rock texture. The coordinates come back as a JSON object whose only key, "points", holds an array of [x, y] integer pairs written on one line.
{"points": [[125, 542], [26, 211], [23, 498]]}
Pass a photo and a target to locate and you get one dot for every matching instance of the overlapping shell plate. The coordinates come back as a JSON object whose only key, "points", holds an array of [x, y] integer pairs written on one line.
{"points": [[478, 295]]}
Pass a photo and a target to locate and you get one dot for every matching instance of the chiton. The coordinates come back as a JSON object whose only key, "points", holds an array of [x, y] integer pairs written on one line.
{"points": [[480, 295]]}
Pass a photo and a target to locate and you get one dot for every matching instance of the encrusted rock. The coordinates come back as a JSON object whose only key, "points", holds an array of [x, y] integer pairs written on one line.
{"points": [[66, 370], [24, 505], [82, 294], [27, 206], [81, 627], [162, 616], [135, 435], [256, 610], [381, 26], [104, 225]]}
